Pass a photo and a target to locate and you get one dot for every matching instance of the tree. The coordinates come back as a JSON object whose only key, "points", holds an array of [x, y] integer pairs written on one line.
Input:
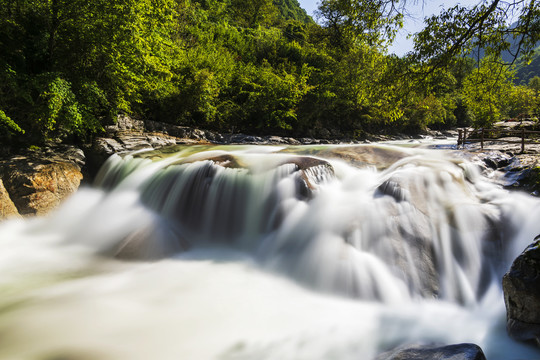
{"points": [[521, 101], [482, 26], [67, 65], [349, 23], [252, 13], [534, 84], [486, 92]]}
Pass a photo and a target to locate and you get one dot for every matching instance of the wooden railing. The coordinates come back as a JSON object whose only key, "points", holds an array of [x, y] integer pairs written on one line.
{"points": [[482, 135]]}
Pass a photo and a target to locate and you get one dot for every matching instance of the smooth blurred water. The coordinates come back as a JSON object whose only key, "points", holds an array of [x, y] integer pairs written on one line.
{"points": [[180, 258]]}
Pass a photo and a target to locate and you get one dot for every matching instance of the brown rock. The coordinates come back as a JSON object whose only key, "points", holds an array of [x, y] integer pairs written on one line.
{"points": [[39, 189], [38, 181], [379, 156], [7, 208]]}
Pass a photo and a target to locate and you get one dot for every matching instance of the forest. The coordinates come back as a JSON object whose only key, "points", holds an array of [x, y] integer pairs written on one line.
{"points": [[68, 67]]}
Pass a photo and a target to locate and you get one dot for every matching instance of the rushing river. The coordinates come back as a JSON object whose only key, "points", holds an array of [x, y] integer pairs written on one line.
{"points": [[252, 252]]}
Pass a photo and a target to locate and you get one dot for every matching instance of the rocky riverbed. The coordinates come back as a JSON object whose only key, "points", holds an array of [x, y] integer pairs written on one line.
{"points": [[34, 182]]}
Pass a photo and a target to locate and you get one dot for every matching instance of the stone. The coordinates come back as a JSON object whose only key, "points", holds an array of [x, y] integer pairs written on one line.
{"points": [[106, 146], [7, 207], [214, 137], [37, 190], [521, 287], [393, 189], [152, 242], [126, 123], [497, 160], [37, 182], [361, 156], [160, 140], [276, 140], [133, 141], [434, 352], [169, 129], [245, 139]]}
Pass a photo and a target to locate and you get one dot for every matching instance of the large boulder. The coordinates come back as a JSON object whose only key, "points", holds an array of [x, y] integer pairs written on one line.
{"points": [[7, 207], [37, 181], [521, 286], [434, 352]]}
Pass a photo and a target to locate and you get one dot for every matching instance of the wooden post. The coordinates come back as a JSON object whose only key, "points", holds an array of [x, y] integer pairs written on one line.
{"points": [[459, 139], [482, 140], [523, 140]]}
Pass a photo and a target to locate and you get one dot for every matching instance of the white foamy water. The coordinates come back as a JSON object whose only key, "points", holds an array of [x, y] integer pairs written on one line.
{"points": [[287, 257]]}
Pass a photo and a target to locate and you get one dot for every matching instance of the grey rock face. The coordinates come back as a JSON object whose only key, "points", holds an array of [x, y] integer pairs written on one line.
{"points": [[521, 286]]}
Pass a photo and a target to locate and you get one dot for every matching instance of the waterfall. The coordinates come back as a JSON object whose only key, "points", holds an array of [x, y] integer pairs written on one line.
{"points": [[267, 252]]}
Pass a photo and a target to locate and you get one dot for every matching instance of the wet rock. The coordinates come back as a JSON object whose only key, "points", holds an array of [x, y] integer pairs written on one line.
{"points": [[521, 286], [497, 160], [434, 352], [360, 156], [153, 242], [393, 189], [225, 160], [312, 172]]}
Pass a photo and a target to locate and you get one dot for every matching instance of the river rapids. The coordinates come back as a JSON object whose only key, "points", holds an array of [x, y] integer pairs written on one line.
{"points": [[264, 252]]}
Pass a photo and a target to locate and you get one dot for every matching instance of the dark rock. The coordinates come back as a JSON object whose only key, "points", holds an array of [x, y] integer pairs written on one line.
{"points": [[198, 134], [153, 242], [434, 352], [521, 286], [497, 160], [214, 137], [393, 189], [312, 172], [244, 139], [224, 160]]}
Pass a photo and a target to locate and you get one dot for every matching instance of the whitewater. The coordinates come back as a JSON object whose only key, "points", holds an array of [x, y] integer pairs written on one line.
{"points": [[266, 252]]}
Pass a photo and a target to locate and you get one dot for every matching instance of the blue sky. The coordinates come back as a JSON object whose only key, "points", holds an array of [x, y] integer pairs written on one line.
{"points": [[413, 23]]}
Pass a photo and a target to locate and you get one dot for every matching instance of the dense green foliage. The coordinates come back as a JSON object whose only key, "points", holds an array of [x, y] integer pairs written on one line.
{"points": [[257, 66], [527, 69]]}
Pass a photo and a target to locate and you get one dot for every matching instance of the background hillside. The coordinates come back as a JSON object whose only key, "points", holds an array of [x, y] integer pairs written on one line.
{"points": [[67, 68]]}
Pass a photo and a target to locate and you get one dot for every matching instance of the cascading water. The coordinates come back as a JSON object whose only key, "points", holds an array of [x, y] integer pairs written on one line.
{"points": [[266, 253]]}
